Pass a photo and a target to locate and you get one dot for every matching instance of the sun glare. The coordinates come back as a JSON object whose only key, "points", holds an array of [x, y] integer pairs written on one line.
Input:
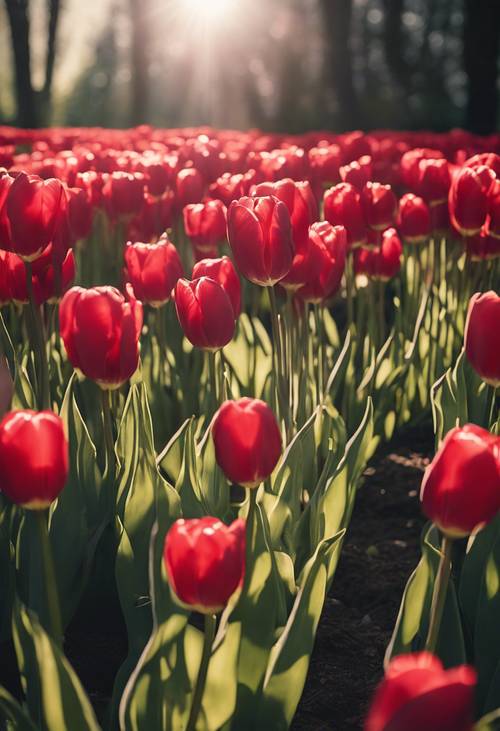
{"points": [[209, 11]]}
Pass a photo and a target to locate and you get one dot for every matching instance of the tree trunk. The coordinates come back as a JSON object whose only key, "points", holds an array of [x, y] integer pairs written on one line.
{"points": [[338, 59], [140, 42], [17, 12], [481, 47]]}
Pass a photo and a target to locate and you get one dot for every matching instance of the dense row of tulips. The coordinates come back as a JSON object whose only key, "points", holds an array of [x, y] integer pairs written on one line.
{"points": [[204, 335]]}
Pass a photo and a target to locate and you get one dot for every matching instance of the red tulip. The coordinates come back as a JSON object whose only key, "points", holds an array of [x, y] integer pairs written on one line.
{"points": [[229, 187], [468, 201], [43, 279], [33, 458], [482, 246], [5, 280], [418, 694], [34, 209], [493, 221], [260, 236], [326, 262], [80, 213], [301, 203], [205, 223], [223, 272], [100, 330], [189, 184], [205, 562], [410, 162], [247, 441], [123, 194], [482, 336], [324, 162], [343, 208], [152, 270], [205, 313], [358, 173], [5, 184], [461, 487], [434, 180], [414, 220], [379, 205], [383, 261]]}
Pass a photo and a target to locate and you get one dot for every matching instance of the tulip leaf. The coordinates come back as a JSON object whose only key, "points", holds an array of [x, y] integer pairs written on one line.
{"points": [[55, 697], [283, 507], [490, 722], [413, 619], [13, 715], [256, 613], [7, 572], [75, 516], [141, 490], [289, 659], [480, 602], [156, 693]]}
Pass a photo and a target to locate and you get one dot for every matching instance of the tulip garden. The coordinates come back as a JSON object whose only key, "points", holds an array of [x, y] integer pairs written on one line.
{"points": [[206, 337]]}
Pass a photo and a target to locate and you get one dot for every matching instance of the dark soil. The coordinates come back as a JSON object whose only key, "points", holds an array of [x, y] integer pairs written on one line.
{"points": [[381, 550]]}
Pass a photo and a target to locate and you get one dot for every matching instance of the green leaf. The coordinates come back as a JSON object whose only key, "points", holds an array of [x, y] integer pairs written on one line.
{"points": [[142, 490], [55, 697], [491, 722], [412, 623], [13, 715], [289, 659]]}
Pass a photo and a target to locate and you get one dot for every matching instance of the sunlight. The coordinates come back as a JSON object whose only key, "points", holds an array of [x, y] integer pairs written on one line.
{"points": [[208, 11]]}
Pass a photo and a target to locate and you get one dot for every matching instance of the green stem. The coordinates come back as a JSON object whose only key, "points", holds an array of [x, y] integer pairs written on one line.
{"points": [[49, 576], [349, 282], [38, 334], [208, 638], [278, 352], [108, 431], [439, 593], [491, 399], [212, 376], [320, 353]]}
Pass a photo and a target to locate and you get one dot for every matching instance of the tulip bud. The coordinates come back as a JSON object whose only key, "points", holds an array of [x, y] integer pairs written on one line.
{"points": [[379, 205], [189, 184], [302, 207], [34, 208], [410, 162], [358, 173], [418, 694], [205, 562], [482, 246], [324, 163], [47, 277], [260, 236], [205, 313], [494, 209], [152, 270], [414, 220], [123, 194], [33, 458], [383, 261], [482, 336], [326, 262], [100, 330], [205, 223], [247, 441], [433, 180], [223, 272], [468, 202], [229, 187], [5, 281], [461, 487], [342, 207], [80, 213]]}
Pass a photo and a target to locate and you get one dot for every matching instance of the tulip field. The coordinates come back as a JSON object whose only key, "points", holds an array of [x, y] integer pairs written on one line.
{"points": [[207, 340]]}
